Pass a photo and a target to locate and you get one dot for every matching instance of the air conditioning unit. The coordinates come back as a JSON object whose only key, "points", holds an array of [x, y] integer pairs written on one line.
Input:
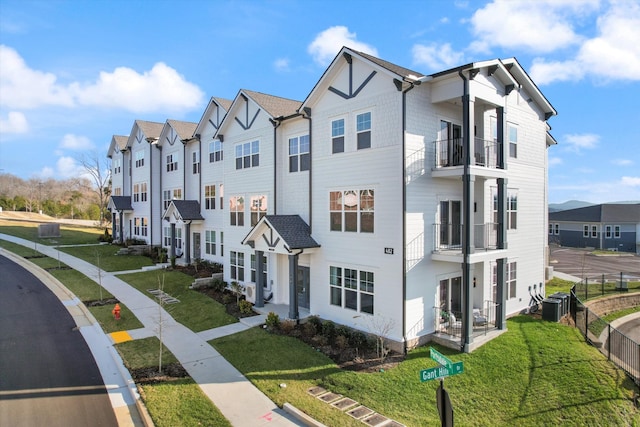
{"points": [[250, 292]]}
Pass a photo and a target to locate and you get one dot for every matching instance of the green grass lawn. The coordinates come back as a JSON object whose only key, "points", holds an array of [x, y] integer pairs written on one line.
{"points": [[196, 311], [105, 256], [538, 373], [69, 235], [170, 403]]}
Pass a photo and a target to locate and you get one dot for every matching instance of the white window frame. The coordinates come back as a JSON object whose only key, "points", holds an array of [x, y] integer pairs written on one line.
{"points": [[556, 228], [172, 162], [139, 158], [258, 208], [210, 196], [236, 263], [608, 232], [236, 214], [247, 154], [195, 160], [585, 230], [210, 242], [512, 143], [216, 152], [363, 126], [254, 268], [337, 206], [299, 156], [511, 280], [594, 231], [354, 286], [616, 232], [336, 136]]}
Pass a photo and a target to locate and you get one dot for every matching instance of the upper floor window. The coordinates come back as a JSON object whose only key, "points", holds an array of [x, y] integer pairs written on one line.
{"points": [[248, 155], [117, 166], [139, 159], [616, 231], [337, 136], [172, 163], [258, 208], [117, 191], [221, 188], [512, 211], [585, 231], [236, 210], [215, 151], [513, 140], [556, 228], [607, 231], [363, 130], [169, 195], [140, 192], [352, 210], [209, 196], [299, 157], [594, 231], [195, 160], [210, 242]]}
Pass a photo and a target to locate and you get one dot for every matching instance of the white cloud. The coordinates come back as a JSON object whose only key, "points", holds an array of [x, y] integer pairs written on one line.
{"points": [[22, 87], [555, 161], [613, 54], [160, 89], [66, 167], [630, 181], [579, 142], [76, 143], [281, 64], [16, 122], [622, 162], [329, 42], [537, 26], [436, 57]]}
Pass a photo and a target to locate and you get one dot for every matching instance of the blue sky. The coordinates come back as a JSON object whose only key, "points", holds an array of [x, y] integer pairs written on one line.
{"points": [[74, 73]]}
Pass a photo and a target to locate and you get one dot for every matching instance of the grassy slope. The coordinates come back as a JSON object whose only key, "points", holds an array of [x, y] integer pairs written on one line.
{"points": [[538, 373]]}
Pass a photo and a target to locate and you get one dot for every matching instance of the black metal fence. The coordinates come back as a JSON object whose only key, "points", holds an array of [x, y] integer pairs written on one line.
{"points": [[619, 349], [607, 284]]}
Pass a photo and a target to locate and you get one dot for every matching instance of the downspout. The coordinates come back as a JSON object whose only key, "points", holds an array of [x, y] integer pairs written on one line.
{"points": [[151, 225], [200, 171], [184, 169], [276, 123], [307, 115], [466, 188], [404, 210]]}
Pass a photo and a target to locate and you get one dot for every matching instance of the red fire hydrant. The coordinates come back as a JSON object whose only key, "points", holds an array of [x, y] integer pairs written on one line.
{"points": [[116, 312]]}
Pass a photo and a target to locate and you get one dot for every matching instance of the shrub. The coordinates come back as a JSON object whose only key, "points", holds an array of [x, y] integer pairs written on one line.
{"points": [[287, 326], [343, 330], [319, 340], [218, 285], [341, 342], [227, 298], [272, 321], [316, 322], [358, 339], [245, 307], [329, 330], [309, 329]]}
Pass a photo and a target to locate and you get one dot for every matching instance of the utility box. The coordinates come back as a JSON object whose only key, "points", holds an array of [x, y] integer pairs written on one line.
{"points": [[551, 309], [564, 299]]}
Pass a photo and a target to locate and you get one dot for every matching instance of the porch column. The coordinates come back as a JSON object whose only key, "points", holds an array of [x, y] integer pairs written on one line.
{"points": [[121, 227], [467, 239], [114, 215], [187, 249], [172, 252], [501, 294], [259, 279], [293, 288], [500, 163]]}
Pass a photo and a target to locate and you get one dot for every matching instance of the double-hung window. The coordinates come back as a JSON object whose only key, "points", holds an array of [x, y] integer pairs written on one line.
{"points": [[616, 231], [511, 280], [299, 159], [607, 232], [512, 134], [585, 231], [215, 151], [210, 242], [139, 159], [236, 261], [512, 211], [248, 155], [351, 288], [136, 192], [236, 210], [556, 229], [258, 208], [337, 136], [594, 231], [254, 268], [352, 210], [363, 130], [172, 163], [195, 160], [209, 197]]}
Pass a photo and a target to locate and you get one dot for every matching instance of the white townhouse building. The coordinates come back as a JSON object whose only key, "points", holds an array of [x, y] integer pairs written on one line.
{"points": [[386, 200]]}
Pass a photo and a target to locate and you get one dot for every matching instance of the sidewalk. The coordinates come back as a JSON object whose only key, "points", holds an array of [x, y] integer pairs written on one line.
{"points": [[238, 400]]}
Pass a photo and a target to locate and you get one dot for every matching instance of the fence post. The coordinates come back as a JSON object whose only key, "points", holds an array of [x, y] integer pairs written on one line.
{"points": [[620, 285], [608, 341], [602, 283], [586, 324], [586, 288]]}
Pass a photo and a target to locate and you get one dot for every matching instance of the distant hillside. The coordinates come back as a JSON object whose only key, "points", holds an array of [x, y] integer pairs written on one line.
{"points": [[575, 204]]}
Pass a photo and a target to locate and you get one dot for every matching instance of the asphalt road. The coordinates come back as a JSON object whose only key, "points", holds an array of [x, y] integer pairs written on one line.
{"points": [[48, 376], [581, 263]]}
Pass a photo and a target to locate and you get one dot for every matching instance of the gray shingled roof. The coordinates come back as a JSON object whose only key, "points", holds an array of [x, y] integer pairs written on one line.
{"points": [[122, 203], [189, 210], [274, 105], [150, 129], [121, 141], [295, 232], [184, 129], [401, 71], [224, 103], [608, 212]]}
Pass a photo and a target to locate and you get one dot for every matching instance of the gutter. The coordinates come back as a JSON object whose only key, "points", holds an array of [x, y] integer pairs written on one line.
{"points": [[276, 122]]}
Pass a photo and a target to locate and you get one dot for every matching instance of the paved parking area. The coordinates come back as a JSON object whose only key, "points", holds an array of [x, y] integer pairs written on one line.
{"points": [[582, 263]]}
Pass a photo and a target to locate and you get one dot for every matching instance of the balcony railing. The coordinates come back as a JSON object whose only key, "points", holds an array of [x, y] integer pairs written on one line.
{"points": [[449, 322], [451, 153], [449, 236]]}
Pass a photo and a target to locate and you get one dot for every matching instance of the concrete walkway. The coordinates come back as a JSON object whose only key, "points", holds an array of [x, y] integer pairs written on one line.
{"points": [[238, 400]]}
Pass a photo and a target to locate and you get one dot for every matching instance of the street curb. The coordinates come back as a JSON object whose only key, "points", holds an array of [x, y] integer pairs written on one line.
{"points": [[58, 289], [301, 416]]}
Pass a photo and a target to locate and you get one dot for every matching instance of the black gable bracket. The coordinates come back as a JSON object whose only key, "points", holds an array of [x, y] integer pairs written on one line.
{"points": [[398, 84], [548, 115], [472, 73], [492, 69], [508, 89], [347, 57]]}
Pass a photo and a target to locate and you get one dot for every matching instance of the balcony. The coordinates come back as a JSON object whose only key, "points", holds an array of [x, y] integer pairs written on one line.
{"points": [[448, 242], [449, 159]]}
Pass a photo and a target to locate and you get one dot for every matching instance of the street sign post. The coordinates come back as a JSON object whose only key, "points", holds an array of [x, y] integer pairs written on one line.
{"points": [[441, 372], [446, 369]]}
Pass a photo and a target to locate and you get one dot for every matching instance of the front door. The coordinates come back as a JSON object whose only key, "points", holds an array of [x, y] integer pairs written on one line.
{"points": [[303, 287], [450, 224], [451, 295], [197, 252]]}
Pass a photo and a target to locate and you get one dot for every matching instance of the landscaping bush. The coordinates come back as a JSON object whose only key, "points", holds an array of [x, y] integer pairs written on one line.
{"points": [[287, 326], [245, 307], [273, 321], [329, 330], [218, 285]]}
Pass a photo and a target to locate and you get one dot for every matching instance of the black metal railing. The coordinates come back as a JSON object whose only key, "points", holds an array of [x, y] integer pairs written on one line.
{"points": [[450, 322], [449, 236], [607, 284], [486, 236], [623, 351], [450, 152]]}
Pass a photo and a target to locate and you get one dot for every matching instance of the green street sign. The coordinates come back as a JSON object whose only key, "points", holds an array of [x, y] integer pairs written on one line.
{"points": [[441, 372], [440, 358]]}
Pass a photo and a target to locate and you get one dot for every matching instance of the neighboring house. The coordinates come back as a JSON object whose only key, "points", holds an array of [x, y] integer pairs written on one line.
{"points": [[120, 179], [388, 200], [609, 226]]}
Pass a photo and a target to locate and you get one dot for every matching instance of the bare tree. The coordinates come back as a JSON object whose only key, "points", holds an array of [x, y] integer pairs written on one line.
{"points": [[99, 169]]}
